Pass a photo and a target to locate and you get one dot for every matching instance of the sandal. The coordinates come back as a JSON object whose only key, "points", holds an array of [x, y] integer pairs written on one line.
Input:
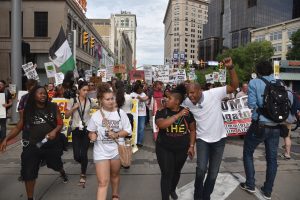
{"points": [[285, 156], [115, 196], [82, 180]]}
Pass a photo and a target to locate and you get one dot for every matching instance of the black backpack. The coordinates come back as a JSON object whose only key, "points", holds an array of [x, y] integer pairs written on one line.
{"points": [[276, 104]]}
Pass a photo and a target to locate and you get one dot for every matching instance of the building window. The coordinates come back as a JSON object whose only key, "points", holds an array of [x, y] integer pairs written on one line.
{"points": [[41, 24], [291, 32], [79, 37], [276, 36], [127, 22], [244, 37], [122, 22], [259, 38], [252, 3], [235, 40], [277, 48]]}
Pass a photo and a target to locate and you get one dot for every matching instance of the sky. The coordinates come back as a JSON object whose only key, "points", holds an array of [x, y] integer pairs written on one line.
{"points": [[150, 27]]}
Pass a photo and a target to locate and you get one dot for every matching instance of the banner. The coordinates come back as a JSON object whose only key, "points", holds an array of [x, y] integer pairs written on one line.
{"points": [[276, 69], [137, 75], [134, 111], [162, 73], [148, 74], [62, 105], [30, 72], [2, 108], [236, 115], [50, 69]]}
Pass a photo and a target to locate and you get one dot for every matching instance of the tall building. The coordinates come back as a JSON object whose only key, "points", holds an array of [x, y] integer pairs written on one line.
{"points": [[125, 22], [41, 22], [183, 22], [103, 27], [230, 22], [296, 9]]}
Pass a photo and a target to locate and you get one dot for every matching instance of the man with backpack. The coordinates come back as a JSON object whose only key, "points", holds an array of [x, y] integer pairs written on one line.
{"points": [[6, 105], [268, 99]]}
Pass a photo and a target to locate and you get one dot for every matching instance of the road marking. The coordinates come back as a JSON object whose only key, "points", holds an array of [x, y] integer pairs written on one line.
{"points": [[226, 183], [242, 179]]}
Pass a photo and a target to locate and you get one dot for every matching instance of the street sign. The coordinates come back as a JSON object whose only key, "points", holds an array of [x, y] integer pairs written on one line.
{"points": [[213, 63]]}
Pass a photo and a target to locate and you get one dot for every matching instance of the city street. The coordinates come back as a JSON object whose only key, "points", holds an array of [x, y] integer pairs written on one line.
{"points": [[142, 180]]}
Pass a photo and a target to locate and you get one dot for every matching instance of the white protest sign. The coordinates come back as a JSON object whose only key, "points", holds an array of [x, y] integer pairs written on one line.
{"points": [[109, 73], [192, 74], [88, 74], [59, 78], [162, 73], [148, 74], [30, 71], [209, 78], [50, 69], [181, 76], [216, 76], [12, 88], [2, 109], [102, 73], [222, 75]]}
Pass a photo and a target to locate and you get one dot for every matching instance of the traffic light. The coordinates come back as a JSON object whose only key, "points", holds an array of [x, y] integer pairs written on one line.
{"points": [[221, 65], [92, 42], [202, 63], [85, 38]]}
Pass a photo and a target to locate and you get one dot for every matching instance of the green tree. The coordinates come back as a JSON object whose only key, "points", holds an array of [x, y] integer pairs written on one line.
{"points": [[246, 57], [294, 53]]}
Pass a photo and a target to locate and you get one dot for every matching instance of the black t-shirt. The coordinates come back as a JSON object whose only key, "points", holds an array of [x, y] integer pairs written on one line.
{"points": [[177, 135], [41, 122]]}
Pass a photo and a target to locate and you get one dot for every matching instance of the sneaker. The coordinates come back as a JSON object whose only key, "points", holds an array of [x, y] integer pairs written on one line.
{"points": [[139, 145], [174, 195], [266, 195], [246, 188], [64, 177]]}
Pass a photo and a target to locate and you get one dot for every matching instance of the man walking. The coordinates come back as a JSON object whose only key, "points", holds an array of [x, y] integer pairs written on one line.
{"points": [[6, 105], [211, 133], [262, 129]]}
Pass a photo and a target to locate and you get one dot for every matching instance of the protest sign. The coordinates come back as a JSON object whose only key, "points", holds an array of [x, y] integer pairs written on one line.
{"points": [[30, 72], [59, 78], [134, 112], [137, 75], [62, 105], [102, 73], [50, 69], [2, 108], [209, 78], [216, 77], [236, 115], [148, 74], [162, 73], [88, 74], [192, 74], [181, 76], [222, 75]]}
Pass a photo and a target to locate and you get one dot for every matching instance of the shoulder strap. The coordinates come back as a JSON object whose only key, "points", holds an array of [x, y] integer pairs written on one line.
{"points": [[264, 80], [119, 112]]}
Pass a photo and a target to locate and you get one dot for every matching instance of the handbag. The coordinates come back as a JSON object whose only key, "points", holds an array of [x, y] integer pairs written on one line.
{"points": [[125, 151]]}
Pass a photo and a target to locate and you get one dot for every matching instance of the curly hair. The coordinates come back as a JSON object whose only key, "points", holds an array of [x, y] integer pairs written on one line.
{"points": [[102, 89]]}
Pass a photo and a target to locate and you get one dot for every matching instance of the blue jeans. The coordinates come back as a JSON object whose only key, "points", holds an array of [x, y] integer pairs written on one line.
{"points": [[271, 139], [207, 154], [141, 129]]}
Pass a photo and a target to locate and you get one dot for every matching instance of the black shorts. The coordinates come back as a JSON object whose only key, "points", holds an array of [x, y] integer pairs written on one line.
{"points": [[32, 156]]}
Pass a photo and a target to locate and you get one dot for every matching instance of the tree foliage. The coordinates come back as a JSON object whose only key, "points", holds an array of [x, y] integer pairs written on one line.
{"points": [[246, 57], [294, 53]]}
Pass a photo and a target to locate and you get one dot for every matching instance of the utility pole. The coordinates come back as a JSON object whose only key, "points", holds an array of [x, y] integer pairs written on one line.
{"points": [[16, 54]]}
